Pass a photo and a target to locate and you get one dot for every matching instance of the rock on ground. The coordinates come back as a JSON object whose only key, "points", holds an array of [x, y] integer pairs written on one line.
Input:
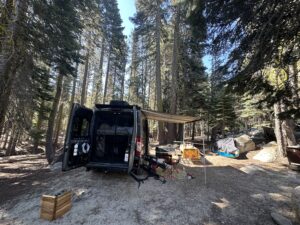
{"points": [[244, 143], [268, 153]]}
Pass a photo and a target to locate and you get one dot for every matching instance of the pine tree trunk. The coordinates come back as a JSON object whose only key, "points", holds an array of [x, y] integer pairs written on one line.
{"points": [[174, 73], [36, 140], [161, 132], [193, 131], [5, 93], [75, 81], [59, 123], [288, 127], [85, 76], [10, 54], [74, 87], [106, 76], [133, 73], [99, 78], [145, 83], [5, 140], [11, 140], [50, 152], [278, 131], [294, 85], [284, 129], [114, 84], [149, 86], [12, 148], [123, 82]]}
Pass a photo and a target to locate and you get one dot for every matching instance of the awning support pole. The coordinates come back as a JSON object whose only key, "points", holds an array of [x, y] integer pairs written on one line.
{"points": [[204, 162]]}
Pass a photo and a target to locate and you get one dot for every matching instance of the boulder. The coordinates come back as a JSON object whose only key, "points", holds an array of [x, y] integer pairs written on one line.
{"points": [[268, 152], [244, 143], [296, 202]]}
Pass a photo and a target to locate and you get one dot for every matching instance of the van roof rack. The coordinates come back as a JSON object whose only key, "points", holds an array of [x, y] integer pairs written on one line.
{"points": [[119, 103], [101, 106]]}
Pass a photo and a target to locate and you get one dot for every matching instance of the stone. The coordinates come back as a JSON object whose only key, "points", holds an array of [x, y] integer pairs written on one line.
{"points": [[296, 202], [280, 220], [267, 153], [244, 143]]}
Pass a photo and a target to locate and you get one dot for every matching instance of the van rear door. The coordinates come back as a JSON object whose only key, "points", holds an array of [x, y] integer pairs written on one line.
{"points": [[134, 139], [77, 142]]}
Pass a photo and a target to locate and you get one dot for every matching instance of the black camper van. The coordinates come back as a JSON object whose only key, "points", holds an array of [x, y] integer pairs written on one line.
{"points": [[111, 137]]}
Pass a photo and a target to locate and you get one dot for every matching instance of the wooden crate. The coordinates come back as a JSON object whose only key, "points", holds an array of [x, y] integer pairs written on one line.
{"points": [[55, 206], [191, 153]]}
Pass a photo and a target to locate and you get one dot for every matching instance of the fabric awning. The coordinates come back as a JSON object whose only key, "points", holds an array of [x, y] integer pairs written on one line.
{"points": [[169, 118]]}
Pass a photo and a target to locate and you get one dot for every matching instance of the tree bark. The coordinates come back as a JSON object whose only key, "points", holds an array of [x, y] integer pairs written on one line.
{"points": [[58, 124], [11, 140], [74, 87], [161, 132], [283, 131], [10, 51], [99, 78], [85, 76], [193, 131], [75, 81], [36, 140], [50, 152], [294, 82], [145, 83], [114, 84], [133, 93], [5, 140], [12, 149], [5, 95], [107, 76], [174, 73], [123, 82], [278, 131]]}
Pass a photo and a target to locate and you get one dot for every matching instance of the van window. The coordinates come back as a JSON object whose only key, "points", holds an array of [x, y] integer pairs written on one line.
{"points": [[80, 127], [125, 120]]}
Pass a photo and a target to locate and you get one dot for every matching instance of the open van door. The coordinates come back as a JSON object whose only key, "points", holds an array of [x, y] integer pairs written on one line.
{"points": [[77, 142], [135, 142]]}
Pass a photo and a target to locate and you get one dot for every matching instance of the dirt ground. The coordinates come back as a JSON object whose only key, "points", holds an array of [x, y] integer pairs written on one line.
{"points": [[238, 192]]}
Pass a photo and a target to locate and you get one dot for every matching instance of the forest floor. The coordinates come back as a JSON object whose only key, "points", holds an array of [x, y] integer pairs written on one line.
{"points": [[237, 192]]}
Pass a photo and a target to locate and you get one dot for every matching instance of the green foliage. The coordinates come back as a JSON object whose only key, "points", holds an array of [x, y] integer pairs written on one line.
{"points": [[221, 110], [254, 35], [113, 35]]}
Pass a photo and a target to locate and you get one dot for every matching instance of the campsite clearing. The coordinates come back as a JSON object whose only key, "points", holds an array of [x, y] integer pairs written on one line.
{"points": [[238, 192]]}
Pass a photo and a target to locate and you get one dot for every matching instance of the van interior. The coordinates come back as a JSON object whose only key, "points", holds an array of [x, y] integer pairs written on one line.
{"points": [[112, 136]]}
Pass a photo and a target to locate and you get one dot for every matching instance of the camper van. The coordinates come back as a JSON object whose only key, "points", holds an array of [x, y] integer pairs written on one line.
{"points": [[111, 137]]}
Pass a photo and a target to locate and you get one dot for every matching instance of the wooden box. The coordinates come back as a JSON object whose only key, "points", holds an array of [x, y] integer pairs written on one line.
{"points": [[55, 206], [191, 153]]}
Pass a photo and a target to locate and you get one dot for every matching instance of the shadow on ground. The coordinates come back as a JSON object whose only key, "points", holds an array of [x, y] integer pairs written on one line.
{"points": [[244, 193]]}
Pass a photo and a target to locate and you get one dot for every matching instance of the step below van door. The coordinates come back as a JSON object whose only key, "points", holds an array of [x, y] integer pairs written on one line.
{"points": [[77, 141]]}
